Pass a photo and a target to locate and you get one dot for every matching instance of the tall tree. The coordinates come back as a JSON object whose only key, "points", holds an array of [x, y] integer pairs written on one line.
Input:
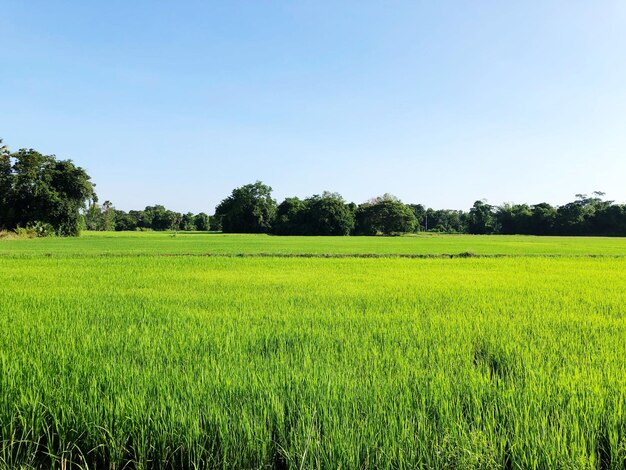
{"points": [[187, 222], [481, 218], [40, 188], [249, 209], [6, 186], [290, 217], [201, 222], [386, 215], [328, 214]]}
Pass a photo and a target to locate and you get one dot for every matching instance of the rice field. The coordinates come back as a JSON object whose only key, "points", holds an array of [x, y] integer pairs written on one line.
{"points": [[145, 361], [188, 243]]}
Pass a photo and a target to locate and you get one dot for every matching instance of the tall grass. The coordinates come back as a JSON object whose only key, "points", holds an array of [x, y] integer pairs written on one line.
{"points": [[193, 362]]}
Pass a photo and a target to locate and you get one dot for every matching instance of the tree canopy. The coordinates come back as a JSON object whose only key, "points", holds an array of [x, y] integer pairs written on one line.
{"points": [[39, 189], [385, 215], [249, 209], [56, 196]]}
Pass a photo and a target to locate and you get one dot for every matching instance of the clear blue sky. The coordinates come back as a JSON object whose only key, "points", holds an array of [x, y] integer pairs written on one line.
{"points": [[437, 102]]}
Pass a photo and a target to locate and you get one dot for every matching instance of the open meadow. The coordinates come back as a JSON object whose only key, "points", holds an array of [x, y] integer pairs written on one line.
{"points": [[129, 350]]}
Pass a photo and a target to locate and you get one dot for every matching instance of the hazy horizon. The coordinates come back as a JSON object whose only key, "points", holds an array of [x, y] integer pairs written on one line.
{"points": [[439, 104]]}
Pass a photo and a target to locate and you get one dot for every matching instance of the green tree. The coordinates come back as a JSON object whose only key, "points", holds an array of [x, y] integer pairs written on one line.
{"points": [[187, 222], [543, 219], [108, 216], [290, 217], [514, 219], [39, 188], [481, 219], [93, 216], [328, 214], [215, 223], [386, 215], [125, 221], [6, 187], [201, 222], [159, 218], [249, 209]]}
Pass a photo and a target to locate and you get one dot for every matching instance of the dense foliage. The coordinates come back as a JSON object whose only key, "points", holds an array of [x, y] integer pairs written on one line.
{"points": [[157, 217], [47, 195], [40, 191], [330, 214], [385, 215], [249, 209]]}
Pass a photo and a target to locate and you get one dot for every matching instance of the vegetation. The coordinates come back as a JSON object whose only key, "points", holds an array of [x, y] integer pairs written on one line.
{"points": [[386, 215], [330, 214], [215, 244], [40, 191], [37, 191], [249, 209], [159, 361]]}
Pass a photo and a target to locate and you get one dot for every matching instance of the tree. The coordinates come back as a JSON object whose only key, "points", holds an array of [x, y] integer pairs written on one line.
{"points": [[201, 222], [108, 216], [420, 215], [100, 217], [6, 180], [249, 209], [290, 217], [386, 215], [215, 223], [39, 188], [514, 219], [480, 219], [328, 214], [125, 221], [187, 222]]}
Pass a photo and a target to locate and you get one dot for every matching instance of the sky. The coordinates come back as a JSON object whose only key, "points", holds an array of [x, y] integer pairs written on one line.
{"points": [[437, 102]]}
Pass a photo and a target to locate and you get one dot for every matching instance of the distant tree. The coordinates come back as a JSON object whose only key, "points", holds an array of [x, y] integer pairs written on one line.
{"points": [[610, 220], [187, 222], [98, 217], [125, 221], [6, 187], [328, 214], [480, 219], [108, 216], [215, 223], [543, 219], [420, 215], [159, 218], [573, 218], [290, 217], [249, 209], [38, 188], [201, 222], [93, 216], [514, 219], [447, 221], [386, 215], [142, 219]]}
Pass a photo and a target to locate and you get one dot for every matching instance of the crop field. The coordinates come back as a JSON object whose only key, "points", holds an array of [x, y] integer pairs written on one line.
{"points": [[113, 355], [183, 243]]}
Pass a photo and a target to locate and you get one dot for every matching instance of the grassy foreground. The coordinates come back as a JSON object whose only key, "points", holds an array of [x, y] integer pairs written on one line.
{"points": [[219, 362]]}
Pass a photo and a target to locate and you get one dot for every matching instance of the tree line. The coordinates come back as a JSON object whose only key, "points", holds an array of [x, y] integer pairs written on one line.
{"points": [[157, 217], [53, 196], [251, 209]]}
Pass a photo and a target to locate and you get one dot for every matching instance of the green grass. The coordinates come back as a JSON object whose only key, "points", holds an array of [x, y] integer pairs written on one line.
{"points": [[142, 243], [228, 362]]}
